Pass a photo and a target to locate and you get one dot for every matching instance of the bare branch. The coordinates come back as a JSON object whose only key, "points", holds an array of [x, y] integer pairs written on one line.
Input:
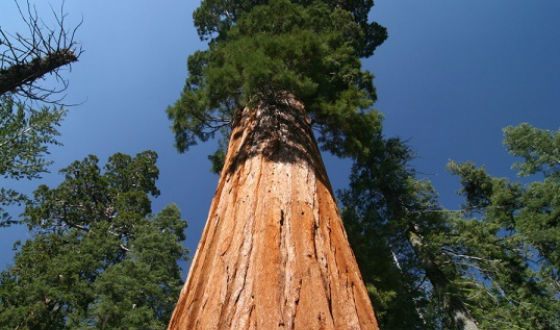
{"points": [[26, 60]]}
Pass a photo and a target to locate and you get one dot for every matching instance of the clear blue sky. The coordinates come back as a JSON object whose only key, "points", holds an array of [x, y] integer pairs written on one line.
{"points": [[451, 75]]}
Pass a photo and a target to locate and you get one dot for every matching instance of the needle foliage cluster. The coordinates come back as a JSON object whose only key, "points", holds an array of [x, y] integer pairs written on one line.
{"points": [[259, 50], [25, 137]]}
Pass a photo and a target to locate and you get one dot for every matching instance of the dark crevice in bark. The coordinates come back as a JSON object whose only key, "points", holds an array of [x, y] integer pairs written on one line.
{"points": [[282, 133], [296, 303]]}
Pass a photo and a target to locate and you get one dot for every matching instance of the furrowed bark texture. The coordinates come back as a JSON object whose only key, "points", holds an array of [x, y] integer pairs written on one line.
{"points": [[274, 253]]}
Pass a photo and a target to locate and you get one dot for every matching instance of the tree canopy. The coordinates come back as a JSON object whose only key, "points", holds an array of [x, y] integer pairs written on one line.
{"points": [[98, 258], [260, 50]]}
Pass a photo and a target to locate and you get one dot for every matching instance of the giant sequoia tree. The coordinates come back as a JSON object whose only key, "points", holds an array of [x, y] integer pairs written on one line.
{"points": [[274, 253]]}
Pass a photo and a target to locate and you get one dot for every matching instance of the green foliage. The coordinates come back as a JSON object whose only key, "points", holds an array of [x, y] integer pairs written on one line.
{"points": [[371, 209], [25, 135], [539, 209], [261, 50], [537, 219], [476, 184], [540, 149], [214, 18], [99, 258], [516, 235], [516, 291], [494, 262]]}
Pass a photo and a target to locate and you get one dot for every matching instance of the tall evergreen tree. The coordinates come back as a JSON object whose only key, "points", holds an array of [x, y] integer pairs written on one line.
{"points": [[490, 266], [377, 184], [514, 237], [275, 70], [98, 257], [401, 221]]}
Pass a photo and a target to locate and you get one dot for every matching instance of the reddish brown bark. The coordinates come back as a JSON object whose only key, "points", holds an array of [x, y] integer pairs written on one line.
{"points": [[274, 253]]}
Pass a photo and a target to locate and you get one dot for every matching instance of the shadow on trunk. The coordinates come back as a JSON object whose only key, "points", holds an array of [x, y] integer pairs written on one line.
{"points": [[281, 132]]}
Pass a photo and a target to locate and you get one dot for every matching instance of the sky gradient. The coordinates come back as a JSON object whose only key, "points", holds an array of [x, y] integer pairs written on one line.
{"points": [[451, 75]]}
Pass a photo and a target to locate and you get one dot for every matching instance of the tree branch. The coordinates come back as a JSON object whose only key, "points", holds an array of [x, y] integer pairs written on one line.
{"points": [[26, 73], [25, 59]]}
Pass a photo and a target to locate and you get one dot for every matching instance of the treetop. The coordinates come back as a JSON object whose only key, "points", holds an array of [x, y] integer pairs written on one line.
{"points": [[260, 50]]}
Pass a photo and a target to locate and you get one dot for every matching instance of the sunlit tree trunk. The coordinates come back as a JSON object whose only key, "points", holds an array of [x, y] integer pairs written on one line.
{"points": [[274, 253]]}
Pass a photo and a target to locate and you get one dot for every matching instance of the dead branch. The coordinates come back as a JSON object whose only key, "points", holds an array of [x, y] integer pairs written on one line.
{"points": [[26, 59]]}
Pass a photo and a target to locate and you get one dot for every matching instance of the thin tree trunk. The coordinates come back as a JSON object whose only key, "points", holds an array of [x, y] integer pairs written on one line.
{"points": [[440, 282], [274, 253]]}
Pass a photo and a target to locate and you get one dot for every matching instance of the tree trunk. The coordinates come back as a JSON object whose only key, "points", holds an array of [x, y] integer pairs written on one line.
{"points": [[18, 75], [455, 307], [274, 253]]}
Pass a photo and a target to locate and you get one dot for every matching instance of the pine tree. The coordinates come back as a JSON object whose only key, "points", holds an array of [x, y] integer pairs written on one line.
{"points": [[377, 183], [274, 253], [538, 221], [401, 226], [98, 257], [513, 240], [490, 266]]}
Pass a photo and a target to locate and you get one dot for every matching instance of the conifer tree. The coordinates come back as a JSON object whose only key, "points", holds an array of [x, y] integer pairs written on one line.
{"points": [[98, 258], [261, 51], [273, 256], [377, 184], [404, 265], [488, 266], [513, 240]]}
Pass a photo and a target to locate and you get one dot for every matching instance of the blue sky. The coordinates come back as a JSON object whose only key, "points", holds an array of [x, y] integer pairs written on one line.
{"points": [[451, 75]]}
